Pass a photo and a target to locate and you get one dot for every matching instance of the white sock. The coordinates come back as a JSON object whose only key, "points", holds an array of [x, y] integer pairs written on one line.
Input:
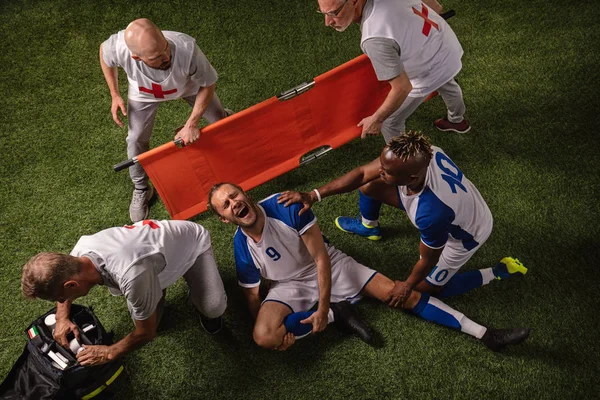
{"points": [[487, 275], [466, 325], [370, 223], [471, 328]]}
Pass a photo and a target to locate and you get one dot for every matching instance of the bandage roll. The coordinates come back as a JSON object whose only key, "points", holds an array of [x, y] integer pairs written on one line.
{"points": [[50, 321], [74, 345]]}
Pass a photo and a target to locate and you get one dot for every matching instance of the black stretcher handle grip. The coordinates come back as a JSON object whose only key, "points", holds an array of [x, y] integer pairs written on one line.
{"points": [[123, 165], [128, 163], [448, 14]]}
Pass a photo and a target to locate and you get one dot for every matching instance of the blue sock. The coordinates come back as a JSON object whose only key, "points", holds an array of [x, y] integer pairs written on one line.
{"points": [[435, 310], [461, 283], [501, 271], [292, 323], [369, 207], [430, 312]]}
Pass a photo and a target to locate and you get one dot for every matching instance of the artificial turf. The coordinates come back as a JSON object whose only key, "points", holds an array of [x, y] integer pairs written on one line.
{"points": [[530, 76]]}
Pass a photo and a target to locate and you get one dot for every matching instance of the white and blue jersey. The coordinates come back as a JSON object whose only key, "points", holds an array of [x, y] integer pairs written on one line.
{"points": [[280, 255], [448, 208]]}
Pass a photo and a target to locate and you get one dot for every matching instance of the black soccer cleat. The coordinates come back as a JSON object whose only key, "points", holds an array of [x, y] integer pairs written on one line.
{"points": [[497, 339], [348, 321], [211, 325]]}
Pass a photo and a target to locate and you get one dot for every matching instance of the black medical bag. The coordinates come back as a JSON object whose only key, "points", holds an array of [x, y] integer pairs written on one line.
{"points": [[36, 376]]}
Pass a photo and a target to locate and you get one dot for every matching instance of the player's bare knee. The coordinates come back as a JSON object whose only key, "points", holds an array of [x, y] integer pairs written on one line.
{"points": [[386, 285], [369, 189], [262, 341], [263, 337], [379, 287]]}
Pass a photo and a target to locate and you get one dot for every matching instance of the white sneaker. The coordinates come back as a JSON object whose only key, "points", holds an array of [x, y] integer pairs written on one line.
{"points": [[138, 209], [228, 112]]}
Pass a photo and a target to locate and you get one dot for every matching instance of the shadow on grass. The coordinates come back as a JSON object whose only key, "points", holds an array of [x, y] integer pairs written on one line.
{"points": [[559, 354]]}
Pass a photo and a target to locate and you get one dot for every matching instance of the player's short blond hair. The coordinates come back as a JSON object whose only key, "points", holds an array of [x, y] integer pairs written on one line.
{"points": [[45, 274], [410, 144]]}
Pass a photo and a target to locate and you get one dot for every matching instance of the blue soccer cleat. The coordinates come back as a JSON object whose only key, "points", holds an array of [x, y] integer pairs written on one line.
{"points": [[356, 226], [508, 266]]}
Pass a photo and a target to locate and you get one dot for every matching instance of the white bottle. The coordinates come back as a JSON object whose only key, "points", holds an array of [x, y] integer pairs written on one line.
{"points": [[50, 321], [75, 346]]}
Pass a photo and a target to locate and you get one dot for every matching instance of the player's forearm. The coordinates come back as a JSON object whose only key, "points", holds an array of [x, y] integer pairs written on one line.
{"points": [[419, 272], [344, 184], [111, 75], [253, 301], [63, 310], [398, 93], [203, 99], [428, 260], [324, 282]]}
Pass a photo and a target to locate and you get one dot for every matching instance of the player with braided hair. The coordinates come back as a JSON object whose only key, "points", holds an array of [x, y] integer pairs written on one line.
{"points": [[452, 217], [312, 282], [410, 145]]}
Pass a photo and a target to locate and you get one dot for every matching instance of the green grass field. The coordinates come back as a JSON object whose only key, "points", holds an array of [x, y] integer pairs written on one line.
{"points": [[530, 78]]}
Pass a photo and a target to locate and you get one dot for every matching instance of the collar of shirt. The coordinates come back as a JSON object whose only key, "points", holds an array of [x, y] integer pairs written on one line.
{"points": [[99, 264]]}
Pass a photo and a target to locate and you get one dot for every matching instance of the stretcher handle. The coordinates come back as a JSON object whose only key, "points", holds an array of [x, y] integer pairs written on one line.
{"points": [[448, 14], [314, 154], [128, 163], [125, 164]]}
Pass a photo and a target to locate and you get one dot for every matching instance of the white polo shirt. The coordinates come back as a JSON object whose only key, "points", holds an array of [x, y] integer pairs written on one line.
{"points": [[429, 50], [190, 69], [139, 261]]}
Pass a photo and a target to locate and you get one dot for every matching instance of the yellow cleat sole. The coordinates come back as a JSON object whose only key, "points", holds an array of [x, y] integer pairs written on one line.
{"points": [[513, 265]]}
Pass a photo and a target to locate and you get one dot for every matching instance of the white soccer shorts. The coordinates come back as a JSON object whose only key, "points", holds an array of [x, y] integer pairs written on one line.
{"points": [[348, 279], [453, 257]]}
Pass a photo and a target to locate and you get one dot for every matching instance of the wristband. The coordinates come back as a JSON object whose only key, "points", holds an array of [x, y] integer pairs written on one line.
{"points": [[318, 194]]}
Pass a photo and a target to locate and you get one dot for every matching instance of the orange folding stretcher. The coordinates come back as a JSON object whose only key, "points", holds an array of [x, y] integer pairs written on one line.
{"points": [[264, 141]]}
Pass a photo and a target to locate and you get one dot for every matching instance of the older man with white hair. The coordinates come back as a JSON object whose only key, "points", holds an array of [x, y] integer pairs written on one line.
{"points": [[160, 66], [411, 47]]}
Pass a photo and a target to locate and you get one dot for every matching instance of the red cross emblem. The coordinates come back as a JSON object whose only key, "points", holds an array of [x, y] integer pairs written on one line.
{"points": [[157, 91], [146, 222], [428, 23]]}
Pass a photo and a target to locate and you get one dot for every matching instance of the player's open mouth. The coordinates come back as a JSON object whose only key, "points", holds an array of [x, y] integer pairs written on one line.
{"points": [[243, 212]]}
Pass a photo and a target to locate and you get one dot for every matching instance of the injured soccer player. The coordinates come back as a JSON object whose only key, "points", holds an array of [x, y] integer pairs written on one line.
{"points": [[273, 242]]}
